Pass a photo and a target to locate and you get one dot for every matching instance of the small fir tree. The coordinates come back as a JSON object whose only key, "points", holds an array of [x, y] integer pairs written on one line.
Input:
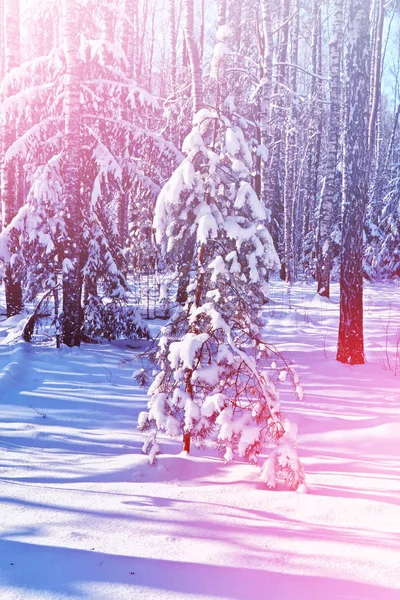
{"points": [[213, 362]]}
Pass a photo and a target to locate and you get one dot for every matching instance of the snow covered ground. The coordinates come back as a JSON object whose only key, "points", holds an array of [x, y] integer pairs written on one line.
{"points": [[84, 517]]}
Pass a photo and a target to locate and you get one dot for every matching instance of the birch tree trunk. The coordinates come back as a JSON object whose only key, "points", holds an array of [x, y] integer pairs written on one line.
{"points": [[129, 48], [313, 144], [289, 182], [355, 186], [202, 29], [135, 40], [10, 196], [151, 47], [278, 117], [376, 81], [141, 31], [72, 277], [194, 57], [172, 45], [323, 245], [128, 35], [375, 158], [197, 98], [266, 190]]}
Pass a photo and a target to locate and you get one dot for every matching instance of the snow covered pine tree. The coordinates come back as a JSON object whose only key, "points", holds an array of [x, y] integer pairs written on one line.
{"points": [[36, 238], [213, 362]]}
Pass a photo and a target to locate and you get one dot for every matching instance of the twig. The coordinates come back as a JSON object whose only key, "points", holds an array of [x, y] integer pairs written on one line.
{"points": [[38, 411]]}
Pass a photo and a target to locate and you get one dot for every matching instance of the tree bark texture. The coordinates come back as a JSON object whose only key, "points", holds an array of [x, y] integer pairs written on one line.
{"points": [[332, 145], [10, 196], [197, 95], [172, 45], [266, 184], [194, 58], [289, 193], [355, 186], [72, 279], [376, 82], [128, 35], [221, 13]]}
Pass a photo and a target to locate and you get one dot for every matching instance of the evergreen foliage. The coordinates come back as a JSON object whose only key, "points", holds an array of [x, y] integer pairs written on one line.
{"points": [[213, 362]]}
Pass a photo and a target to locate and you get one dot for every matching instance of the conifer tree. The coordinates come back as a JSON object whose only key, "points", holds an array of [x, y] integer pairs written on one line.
{"points": [[211, 354], [63, 226]]}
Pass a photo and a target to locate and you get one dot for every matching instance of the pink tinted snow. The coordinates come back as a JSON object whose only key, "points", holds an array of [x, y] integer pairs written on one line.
{"points": [[83, 516]]}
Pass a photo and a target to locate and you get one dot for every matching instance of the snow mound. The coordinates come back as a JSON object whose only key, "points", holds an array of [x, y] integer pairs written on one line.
{"points": [[183, 467], [11, 370], [292, 318], [318, 300]]}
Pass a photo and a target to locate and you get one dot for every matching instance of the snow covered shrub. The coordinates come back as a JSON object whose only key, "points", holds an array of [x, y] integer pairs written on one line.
{"points": [[113, 320], [214, 365]]}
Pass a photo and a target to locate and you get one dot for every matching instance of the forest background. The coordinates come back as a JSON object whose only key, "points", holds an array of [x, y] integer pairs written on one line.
{"points": [[297, 100]]}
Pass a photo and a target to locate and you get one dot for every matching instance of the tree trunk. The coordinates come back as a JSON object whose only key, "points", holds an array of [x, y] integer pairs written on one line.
{"points": [[376, 83], [313, 144], [289, 200], [221, 20], [375, 158], [266, 189], [135, 40], [107, 24], [72, 276], [128, 35], [186, 442], [2, 41], [355, 186], [197, 95], [10, 196], [194, 58], [141, 37], [201, 40], [278, 118], [151, 49], [172, 45], [12, 35], [328, 193], [235, 22]]}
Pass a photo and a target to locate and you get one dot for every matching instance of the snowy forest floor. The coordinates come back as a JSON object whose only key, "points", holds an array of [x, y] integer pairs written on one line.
{"points": [[83, 516]]}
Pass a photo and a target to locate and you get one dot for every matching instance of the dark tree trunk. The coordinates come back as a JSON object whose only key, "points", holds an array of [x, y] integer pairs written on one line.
{"points": [[355, 186], [13, 289], [72, 276], [186, 443], [10, 196]]}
